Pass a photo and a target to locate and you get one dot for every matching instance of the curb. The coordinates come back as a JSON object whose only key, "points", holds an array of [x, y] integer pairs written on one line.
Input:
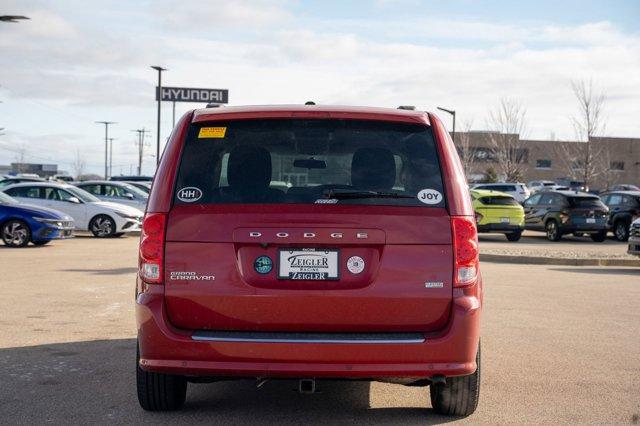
{"points": [[538, 260]]}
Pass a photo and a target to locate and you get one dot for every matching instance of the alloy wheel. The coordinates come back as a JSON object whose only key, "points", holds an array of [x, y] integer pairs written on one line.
{"points": [[552, 231], [102, 227], [621, 231], [15, 234]]}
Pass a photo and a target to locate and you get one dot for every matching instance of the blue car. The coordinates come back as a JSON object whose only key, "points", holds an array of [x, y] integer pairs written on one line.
{"points": [[21, 223]]}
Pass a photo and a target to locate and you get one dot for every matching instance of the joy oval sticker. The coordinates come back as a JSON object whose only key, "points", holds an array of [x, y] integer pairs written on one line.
{"points": [[189, 194], [429, 196]]}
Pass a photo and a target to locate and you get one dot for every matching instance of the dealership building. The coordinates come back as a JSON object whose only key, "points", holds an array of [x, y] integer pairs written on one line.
{"points": [[617, 159]]}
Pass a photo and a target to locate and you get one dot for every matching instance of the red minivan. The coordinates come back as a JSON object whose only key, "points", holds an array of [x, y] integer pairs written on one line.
{"points": [[309, 242]]}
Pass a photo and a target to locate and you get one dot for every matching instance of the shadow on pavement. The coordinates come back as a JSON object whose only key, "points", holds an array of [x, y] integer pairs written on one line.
{"points": [[601, 270], [93, 382]]}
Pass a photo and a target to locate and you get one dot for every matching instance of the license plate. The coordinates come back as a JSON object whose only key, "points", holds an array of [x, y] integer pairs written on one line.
{"points": [[504, 220], [591, 220], [308, 264]]}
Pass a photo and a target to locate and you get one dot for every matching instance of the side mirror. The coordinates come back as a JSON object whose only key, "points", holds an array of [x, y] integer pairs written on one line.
{"points": [[74, 200], [129, 196]]}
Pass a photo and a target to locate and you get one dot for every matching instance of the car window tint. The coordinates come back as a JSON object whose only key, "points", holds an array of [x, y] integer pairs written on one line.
{"points": [[533, 200], [49, 193], [114, 191], [615, 200], [559, 200], [25, 191], [64, 195], [92, 189], [303, 161], [585, 202], [546, 200], [498, 200]]}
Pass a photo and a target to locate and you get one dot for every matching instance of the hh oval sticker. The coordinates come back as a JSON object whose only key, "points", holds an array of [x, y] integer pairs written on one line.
{"points": [[189, 194], [429, 196]]}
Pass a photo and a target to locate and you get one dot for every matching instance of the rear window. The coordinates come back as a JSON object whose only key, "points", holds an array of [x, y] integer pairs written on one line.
{"points": [[499, 201], [276, 161], [585, 202]]}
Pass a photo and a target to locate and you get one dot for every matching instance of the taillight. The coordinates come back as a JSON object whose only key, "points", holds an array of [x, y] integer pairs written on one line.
{"points": [[152, 248], [478, 217], [465, 248]]}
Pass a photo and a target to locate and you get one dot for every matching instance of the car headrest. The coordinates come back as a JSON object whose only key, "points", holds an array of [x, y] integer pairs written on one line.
{"points": [[249, 167], [373, 169]]}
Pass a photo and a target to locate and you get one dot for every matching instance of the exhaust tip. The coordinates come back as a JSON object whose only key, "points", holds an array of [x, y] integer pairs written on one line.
{"points": [[307, 386]]}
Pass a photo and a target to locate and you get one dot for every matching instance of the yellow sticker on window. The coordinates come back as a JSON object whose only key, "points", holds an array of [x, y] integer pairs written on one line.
{"points": [[212, 132]]}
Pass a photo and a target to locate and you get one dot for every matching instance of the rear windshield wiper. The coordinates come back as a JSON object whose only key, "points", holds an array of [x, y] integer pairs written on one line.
{"points": [[346, 194]]}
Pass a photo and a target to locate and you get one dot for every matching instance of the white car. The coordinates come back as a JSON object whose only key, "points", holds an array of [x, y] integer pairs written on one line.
{"points": [[537, 185], [517, 190], [117, 192], [102, 218]]}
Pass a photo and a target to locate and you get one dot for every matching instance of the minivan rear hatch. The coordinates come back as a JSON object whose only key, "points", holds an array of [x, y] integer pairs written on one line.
{"points": [[316, 225]]}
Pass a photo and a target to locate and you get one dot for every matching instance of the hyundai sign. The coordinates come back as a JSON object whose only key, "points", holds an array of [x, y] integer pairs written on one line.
{"points": [[187, 94]]}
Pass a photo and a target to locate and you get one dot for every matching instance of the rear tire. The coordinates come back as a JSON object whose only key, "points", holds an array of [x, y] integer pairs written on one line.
{"points": [[553, 232], [159, 392], [459, 395], [118, 234], [15, 233], [621, 230], [41, 243], [599, 237], [514, 236]]}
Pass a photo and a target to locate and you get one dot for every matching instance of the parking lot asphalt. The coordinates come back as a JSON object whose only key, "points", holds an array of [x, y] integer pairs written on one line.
{"points": [[536, 243], [560, 345]]}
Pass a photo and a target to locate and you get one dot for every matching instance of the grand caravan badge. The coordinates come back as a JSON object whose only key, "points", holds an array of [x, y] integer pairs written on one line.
{"points": [[308, 264]]}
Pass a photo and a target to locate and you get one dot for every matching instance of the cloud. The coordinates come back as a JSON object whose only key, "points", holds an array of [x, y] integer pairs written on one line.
{"points": [[210, 17], [265, 52]]}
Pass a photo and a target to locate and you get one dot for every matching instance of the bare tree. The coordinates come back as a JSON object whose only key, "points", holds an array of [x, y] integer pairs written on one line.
{"points": [[508, 123], [468, 152], [79, 164], [589, 122]]}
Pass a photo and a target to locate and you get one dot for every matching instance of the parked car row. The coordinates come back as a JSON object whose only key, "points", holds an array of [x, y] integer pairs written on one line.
{"points": [[21, 224], [31, 210], [557, 213]]}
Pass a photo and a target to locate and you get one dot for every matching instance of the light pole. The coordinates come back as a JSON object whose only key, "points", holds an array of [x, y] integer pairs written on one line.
{"points": [[111, 156], [141, 135], [159, 69], [106, 146], [453, 113]]}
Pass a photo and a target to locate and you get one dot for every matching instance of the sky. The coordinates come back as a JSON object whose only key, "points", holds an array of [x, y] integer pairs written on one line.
{"points": [[77, 62]]}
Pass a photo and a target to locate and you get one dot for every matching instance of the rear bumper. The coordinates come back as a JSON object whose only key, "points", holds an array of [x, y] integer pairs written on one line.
{"points": [[500, 227], [583, 227], [451, 352], [634, 246]]}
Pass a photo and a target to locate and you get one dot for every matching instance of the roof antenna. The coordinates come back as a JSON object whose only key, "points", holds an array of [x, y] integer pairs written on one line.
{"points": [[309, 103]]}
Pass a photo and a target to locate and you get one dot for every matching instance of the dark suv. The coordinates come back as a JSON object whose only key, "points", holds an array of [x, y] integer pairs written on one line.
{"points": [[309, 242], [625, 208], [564, 212]]}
